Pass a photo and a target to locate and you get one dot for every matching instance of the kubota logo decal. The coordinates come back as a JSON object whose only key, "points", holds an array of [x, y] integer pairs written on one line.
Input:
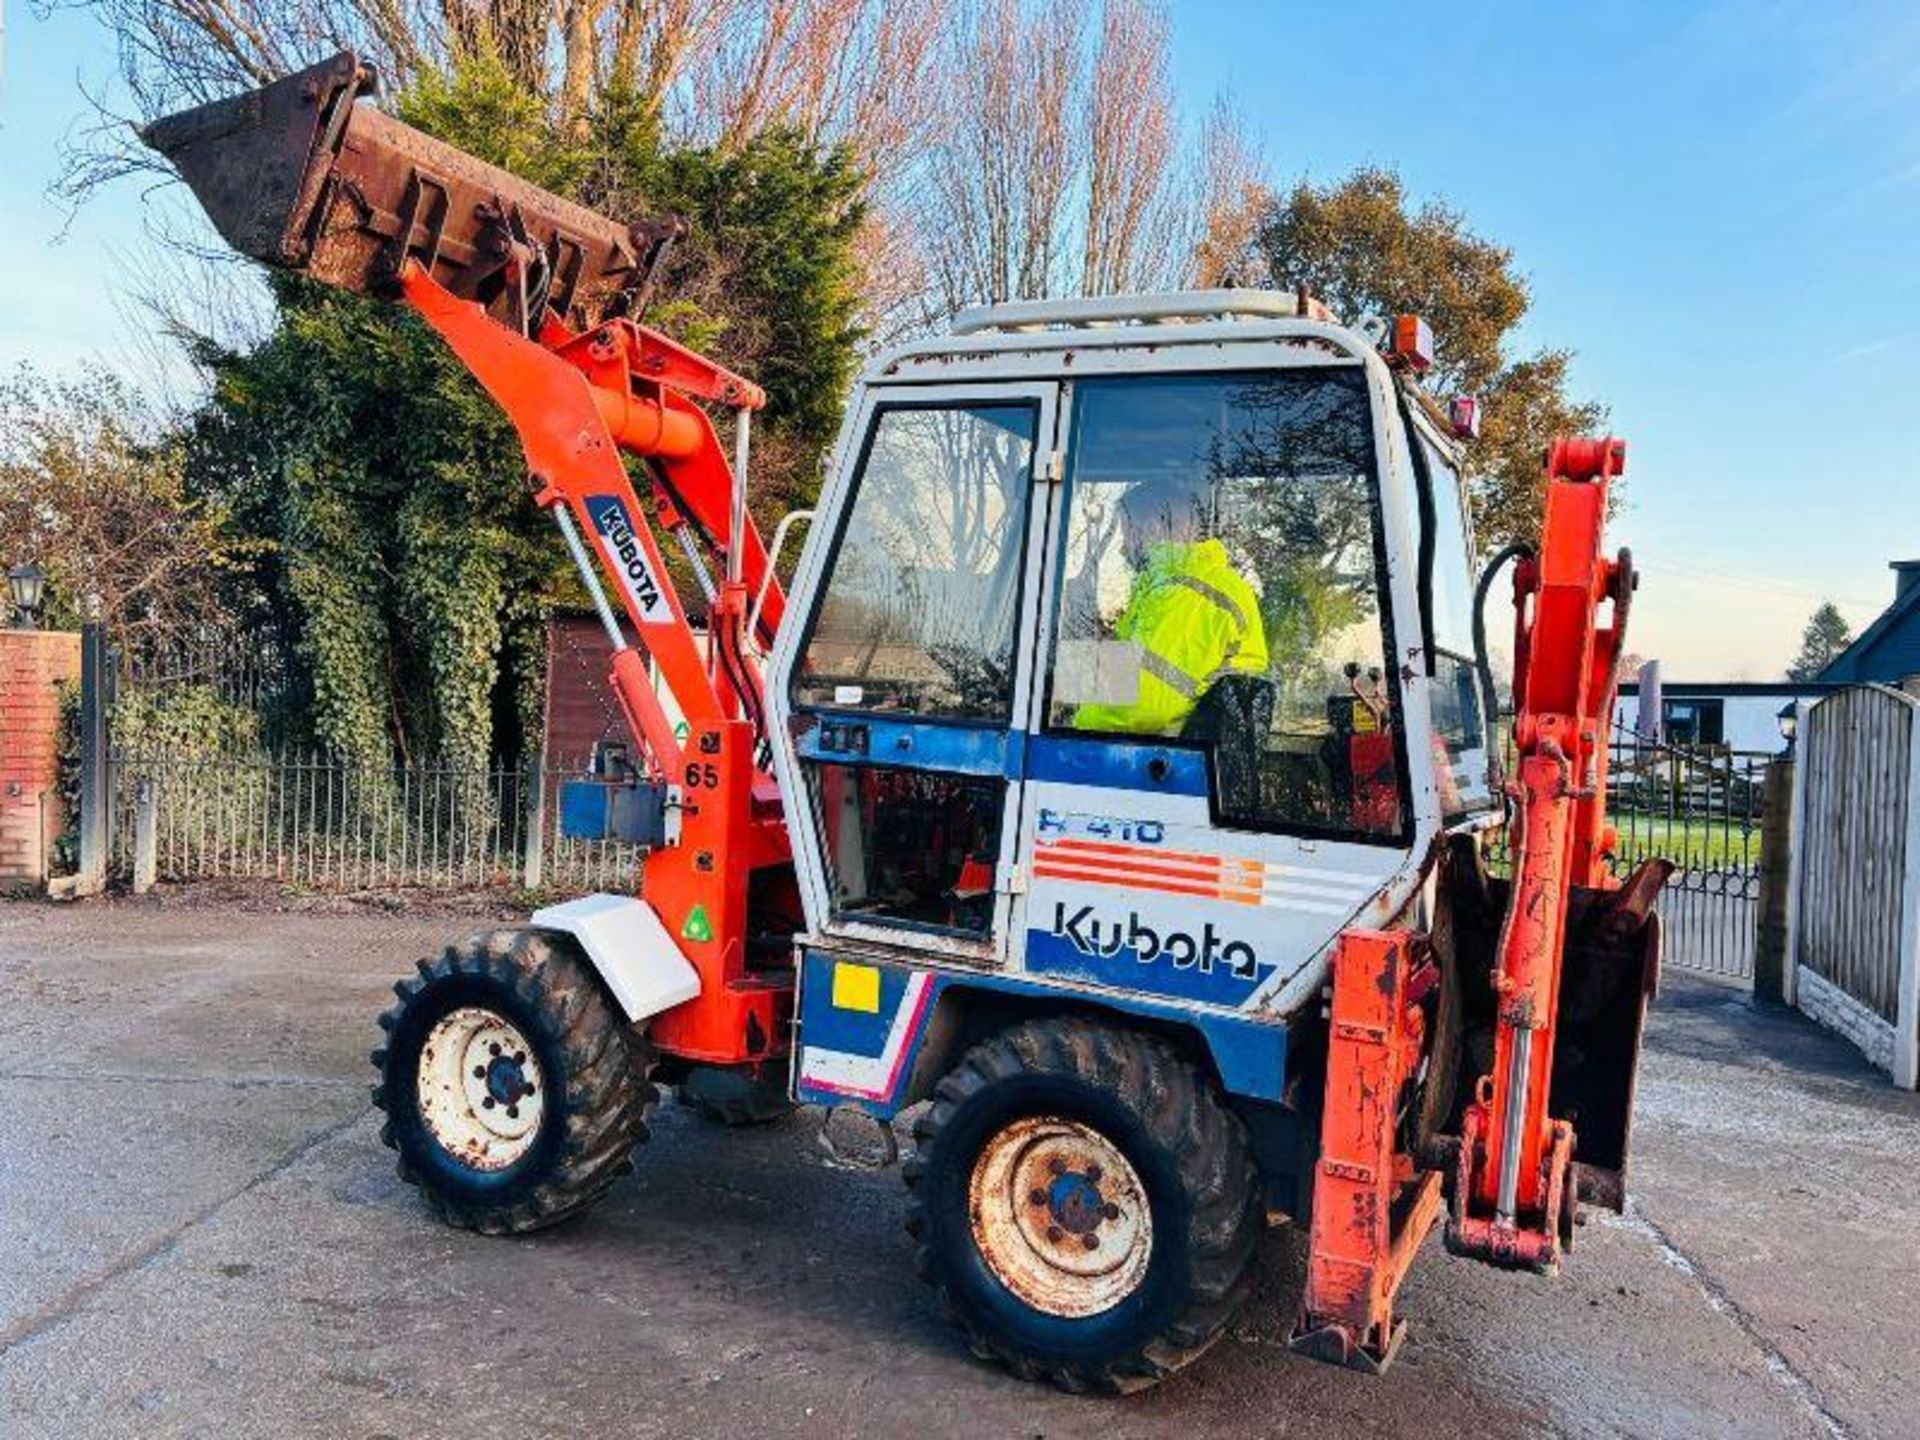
{"points": [[610, 519], [1108, 939]]}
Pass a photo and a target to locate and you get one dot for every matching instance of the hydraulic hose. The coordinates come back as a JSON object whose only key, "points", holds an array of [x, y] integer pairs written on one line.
{"points": [[1489, 695]]}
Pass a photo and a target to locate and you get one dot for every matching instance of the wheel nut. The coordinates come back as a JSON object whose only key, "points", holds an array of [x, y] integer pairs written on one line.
{"points": [[487, 1103], [479, 1072], [1053, 1234], [1056, 1166], [494, 1048], [1092, 1242], [1036, 1197], [1094, 1173], [1110, 1211], [513, 1112], [525, 1090], [519, 1057]]}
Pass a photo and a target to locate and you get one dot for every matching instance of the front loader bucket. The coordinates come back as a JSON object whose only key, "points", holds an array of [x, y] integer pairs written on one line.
{"points": [[300, 176]]}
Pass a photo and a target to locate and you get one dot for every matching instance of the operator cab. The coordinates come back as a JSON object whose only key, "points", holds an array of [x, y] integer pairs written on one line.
{"points": [[1138, 653]]}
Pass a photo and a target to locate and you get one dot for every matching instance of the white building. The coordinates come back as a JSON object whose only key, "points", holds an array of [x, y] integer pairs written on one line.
{"points": [[1736, 714]]}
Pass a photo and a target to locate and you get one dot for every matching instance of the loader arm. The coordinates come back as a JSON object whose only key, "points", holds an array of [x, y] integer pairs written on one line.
{"points": [[533, 293], [535, 296]]}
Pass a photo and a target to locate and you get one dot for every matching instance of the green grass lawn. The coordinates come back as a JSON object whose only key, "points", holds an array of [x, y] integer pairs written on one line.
{"points": [[1691, 843], [1705, 842]]}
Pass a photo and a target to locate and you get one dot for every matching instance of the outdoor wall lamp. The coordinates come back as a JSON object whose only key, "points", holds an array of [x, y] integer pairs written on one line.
{"points": [[26, 584], [1789, 723]]}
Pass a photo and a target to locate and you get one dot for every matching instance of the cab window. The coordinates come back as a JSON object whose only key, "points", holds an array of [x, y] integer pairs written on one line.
{"points": [[1459, 735], [918, 612], [1220, 587]]}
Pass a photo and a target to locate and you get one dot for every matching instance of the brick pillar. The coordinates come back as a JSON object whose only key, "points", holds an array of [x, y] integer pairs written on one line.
{"points": [[33, 663]]}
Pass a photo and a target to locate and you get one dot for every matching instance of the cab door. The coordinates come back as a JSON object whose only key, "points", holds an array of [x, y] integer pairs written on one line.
{"points": [[1216, 780], [913, 663]]}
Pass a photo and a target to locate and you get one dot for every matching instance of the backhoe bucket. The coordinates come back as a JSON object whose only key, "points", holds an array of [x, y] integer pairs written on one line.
{"points": [[300, 176], [1610, 966], [1610, 971]]}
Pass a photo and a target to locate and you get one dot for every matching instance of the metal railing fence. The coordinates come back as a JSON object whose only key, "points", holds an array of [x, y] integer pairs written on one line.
{"points": [[320, 822], [1700, 808]]}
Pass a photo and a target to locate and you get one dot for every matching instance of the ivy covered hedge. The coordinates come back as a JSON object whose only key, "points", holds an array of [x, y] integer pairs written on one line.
{"points": [[403, 569]]}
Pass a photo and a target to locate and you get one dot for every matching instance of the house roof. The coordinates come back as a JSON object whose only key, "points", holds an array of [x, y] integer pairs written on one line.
{"points": [[1872, 656]]}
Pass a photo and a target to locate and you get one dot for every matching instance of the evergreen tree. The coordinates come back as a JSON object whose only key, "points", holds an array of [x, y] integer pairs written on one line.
{"points": [[406, 572], [1826, 635]]}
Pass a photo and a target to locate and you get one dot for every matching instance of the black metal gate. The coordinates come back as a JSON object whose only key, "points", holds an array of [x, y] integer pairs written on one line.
{"points": [[1701, 808]]}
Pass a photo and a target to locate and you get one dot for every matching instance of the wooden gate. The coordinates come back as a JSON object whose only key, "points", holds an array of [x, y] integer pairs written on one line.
{"points": [[1854, 908]]}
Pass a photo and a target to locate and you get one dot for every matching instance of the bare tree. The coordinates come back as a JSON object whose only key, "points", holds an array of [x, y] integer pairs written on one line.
{"points": [[996, 219], [1232, 199], [1064, 167], [1136, 212], [1013, 148]]}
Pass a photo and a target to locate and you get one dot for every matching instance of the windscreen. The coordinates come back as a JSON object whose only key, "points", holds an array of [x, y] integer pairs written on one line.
{"points": [[1220, 585]]}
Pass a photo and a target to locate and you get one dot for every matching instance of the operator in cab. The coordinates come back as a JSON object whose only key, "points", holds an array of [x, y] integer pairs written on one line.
{"points": [[1190, 611]]}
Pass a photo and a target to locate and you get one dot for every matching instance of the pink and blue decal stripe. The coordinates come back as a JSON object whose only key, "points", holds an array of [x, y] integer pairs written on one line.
{"points": [[856, 1057]]}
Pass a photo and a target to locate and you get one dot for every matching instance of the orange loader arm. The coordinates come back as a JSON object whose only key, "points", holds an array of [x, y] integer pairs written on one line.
{"points": [[534, 294]]}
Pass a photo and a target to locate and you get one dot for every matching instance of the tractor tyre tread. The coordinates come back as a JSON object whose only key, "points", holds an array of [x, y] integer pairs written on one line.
{"points": [[603, 1063], [1182, 1117]]}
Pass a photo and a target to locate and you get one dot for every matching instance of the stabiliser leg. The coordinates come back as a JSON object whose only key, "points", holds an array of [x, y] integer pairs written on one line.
{"points": [[1371, 1208]]}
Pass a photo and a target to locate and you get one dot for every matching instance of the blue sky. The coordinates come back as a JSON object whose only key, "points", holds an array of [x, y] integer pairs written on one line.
{"points": [[1717, 205]]}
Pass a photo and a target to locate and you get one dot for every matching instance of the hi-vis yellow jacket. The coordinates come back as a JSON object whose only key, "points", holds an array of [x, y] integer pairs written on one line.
{"points": [[1195, 619]]}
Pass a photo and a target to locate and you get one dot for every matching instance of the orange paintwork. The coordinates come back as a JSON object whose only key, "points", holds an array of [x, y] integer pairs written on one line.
{"points": [[1566, 653], [577, 402], [1371, 1209]]}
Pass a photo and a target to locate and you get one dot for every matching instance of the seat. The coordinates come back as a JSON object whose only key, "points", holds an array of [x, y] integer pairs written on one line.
{"points": [[1232, 719]]}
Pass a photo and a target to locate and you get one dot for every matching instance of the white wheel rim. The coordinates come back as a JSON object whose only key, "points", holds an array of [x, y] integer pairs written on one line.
{"points": [[481, 1089], [1060, 1216]]}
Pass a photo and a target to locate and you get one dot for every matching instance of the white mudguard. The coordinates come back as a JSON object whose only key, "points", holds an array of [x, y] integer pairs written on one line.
{"points": [[626, 942]]}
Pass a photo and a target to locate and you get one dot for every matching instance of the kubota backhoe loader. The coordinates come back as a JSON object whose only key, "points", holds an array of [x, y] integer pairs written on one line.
{"points": [[1174, 925]]}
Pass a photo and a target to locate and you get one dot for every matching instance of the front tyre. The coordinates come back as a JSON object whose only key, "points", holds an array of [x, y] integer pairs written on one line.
{"points": [[513, 1089], [1085, 1205]]}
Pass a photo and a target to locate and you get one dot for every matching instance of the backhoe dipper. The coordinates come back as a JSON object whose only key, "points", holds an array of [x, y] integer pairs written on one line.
{"points": [[1155, 979]]}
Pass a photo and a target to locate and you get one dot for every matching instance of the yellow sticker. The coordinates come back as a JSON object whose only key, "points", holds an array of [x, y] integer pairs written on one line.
{"points": [[856, 987]]}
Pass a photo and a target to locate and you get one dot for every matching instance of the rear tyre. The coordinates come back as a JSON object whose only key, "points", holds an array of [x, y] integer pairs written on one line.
{"points": [[735, 1097], [513, 1090], [1086, 1207]]}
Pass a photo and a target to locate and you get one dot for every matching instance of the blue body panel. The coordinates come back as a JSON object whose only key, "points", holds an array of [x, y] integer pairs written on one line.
{"points": [[956, 749], [863, 1054], [1116, 764], [629, 811]]}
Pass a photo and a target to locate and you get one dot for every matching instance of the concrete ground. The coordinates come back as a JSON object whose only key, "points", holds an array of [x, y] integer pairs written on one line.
{"points": [[201, 1235]]}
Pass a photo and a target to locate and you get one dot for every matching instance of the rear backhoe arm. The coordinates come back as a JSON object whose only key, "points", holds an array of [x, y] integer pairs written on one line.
{"points": [[1513, 1196], [1570, 956]]}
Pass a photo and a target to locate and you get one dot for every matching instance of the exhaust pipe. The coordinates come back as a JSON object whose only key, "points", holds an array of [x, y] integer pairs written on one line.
{"points": [[300, 176]]}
